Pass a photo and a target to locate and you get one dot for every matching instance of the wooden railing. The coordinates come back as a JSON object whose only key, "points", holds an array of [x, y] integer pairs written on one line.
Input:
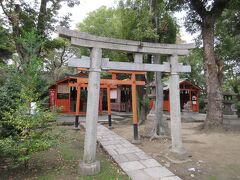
{"points": [[119, 107]]}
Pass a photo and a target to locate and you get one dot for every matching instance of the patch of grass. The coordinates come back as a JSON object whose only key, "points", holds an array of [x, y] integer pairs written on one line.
{"points": [[212, 178], [69, 153], [62, 160], [233, 167], [47, 177]]}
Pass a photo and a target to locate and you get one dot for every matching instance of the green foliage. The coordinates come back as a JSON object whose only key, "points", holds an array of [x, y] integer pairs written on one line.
{"points": [[104, 22], [57, 52], [168, 29], [146, 102], [202, 102], [227, 48], [129, 20], [21, 132], [37, 17], [228, 45], [101, 22], [238, 107], [62, 160], [195, 59], [6, 44], [31, 24], [55, 44], [136, 20], [9, 92], [31, 134]]}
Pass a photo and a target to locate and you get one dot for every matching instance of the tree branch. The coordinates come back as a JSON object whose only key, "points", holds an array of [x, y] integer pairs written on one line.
{"points": [[61, 57], [13, 18], [199, 7], [41, 17], [4, 10], [218, 7]]}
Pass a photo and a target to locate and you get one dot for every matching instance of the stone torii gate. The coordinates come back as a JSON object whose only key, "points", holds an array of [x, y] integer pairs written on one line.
{"points": [[96, 64]]}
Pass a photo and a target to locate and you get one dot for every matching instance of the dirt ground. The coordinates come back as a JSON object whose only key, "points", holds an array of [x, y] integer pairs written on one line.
{"points": [[214, 156]]}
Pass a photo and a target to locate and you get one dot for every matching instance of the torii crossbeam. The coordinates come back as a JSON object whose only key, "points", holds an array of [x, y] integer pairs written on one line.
{"points": [[96, 64]]}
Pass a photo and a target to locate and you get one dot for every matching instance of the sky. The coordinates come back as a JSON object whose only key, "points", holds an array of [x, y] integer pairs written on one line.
{"points": [[80, 12]]}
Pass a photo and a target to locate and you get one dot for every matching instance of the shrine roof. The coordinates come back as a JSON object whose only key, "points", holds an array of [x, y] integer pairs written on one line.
{"points": [[68, 77], [166, 84], [84, 74]]}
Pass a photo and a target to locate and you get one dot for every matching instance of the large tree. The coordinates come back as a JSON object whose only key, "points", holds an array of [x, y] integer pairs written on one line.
{"points": [[39, 17], [203, 15]]}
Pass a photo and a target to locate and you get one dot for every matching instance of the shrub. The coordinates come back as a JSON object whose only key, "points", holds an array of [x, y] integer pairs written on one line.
{"points": [[31, 134]]}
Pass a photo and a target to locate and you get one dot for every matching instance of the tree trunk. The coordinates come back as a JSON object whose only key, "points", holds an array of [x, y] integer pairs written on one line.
{"points": [[214, 116], [161, 127], [42, 17], [141, 109]]}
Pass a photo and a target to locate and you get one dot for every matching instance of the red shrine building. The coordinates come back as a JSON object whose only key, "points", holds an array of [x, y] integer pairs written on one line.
{"points": [[63, 94], [189, 94]]}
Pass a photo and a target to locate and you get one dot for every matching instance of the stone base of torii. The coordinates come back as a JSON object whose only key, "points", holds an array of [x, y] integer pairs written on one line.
{"points": [[89, 165]]}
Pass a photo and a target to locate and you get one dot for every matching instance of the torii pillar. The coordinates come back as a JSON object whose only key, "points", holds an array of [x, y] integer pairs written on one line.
{"points": [[90, 165], [175, 111]]}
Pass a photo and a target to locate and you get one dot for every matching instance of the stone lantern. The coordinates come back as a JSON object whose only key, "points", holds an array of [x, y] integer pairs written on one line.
{"points": [[229, 109]]}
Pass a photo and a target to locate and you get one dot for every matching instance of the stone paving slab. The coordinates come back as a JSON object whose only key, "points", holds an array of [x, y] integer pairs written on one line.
{"points": [[136, 163]]}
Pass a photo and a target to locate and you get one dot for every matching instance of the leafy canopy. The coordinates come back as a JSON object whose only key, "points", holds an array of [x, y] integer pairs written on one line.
{"points": [[130, 20]]}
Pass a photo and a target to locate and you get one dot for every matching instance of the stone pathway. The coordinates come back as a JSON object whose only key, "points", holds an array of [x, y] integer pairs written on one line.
{"points": [[137, 164]]}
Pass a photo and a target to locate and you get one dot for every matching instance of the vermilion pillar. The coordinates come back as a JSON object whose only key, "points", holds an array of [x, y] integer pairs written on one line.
{"points": [[134, 110], [109, 107], [78, 104]]}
